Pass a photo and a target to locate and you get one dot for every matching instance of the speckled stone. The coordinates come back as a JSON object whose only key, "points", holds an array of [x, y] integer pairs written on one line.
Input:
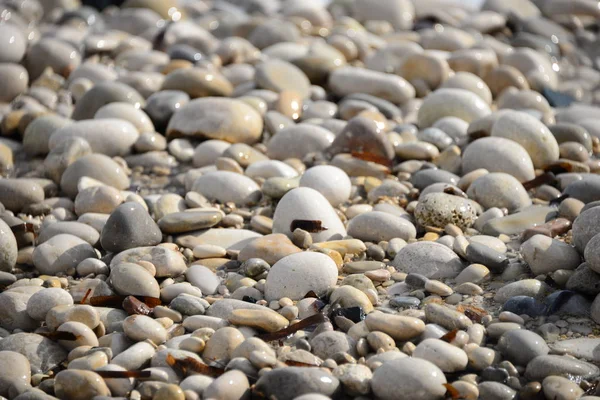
{"points": [[441, 209]]}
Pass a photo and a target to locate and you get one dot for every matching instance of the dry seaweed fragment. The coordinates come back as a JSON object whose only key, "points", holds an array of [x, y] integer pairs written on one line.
{"points": [[191, 366], [290, 330], [308, 225]]}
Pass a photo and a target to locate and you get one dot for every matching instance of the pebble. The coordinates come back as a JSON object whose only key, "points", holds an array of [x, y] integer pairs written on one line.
{"points": [[375, 226], [133, 279], [14, 371], [446, 317], [61, 253], [229, 386], [441, 209], [18, 193], [266, 319], [512, 159], [8, 248], [298, 381], [544, 366], [166, 262], [230, 120], [330, 181], [348, 80], [297, 274], [545, 255], [430, 259], [95, 166], [79, 385], [225, 186], [521, 346], [408, 378], [129, 226], [445, 356], [499, 190]]}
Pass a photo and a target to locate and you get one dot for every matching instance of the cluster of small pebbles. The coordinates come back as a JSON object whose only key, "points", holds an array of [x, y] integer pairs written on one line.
{"points": [[285, 199]]}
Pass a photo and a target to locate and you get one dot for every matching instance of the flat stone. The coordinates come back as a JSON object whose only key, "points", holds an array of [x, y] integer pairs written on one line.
{"points": [[230, 239], [186, 221], [444, 355], [270, 248], [95, 166], [265, 319], [517, 223], [446, 317], [296, 381], [349, 80], [197, 82], [298, 140], [525, 287]]}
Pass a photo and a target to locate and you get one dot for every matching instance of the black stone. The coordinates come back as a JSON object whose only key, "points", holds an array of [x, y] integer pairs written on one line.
{"points": [[478, 253]]}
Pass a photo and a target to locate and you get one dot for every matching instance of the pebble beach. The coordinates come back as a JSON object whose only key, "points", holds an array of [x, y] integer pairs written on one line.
{"points": [[300, 200]]}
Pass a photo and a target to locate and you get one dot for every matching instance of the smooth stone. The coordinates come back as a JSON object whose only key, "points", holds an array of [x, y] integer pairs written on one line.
{"points": [[399, 13], [167, 262], [543, 366], [326, 344], [270, 248], [521, 346], [349, 296], [95, 166], [13, 313], [186, 221], [558, 387], [501, 155], [225, 186], [544, 255], [98, 199], [298, 140], [295, 275], [515, 224], [304, 203], [265, 319], [203, 278], [82, 231], [61, 253], [133, 279], [197, 82], [140, 327], [221, 344], [530, 133], [364, 134], [584, 280], [230, 239], [458, 103], [269, 169], [161, 106], [424, 178], [495, 391], [474, 273], [15, 80], [408, 378], [38, 133], [18, 193], [74, 384], [499, 190], [441, 209], [332, 182], [587, 189], [350, 80], [586, 348], [296, 381], [207, 153], [355, 378], [63, 155], [8, 248], [129, 226], [398, 327], [446, 317], [279, 75], [40, 303], [104, 93], [478, 253], [217, 118], [585, 227], [127, 112], [388, 188], [15, 370], [43, 354], [525, 305], [13, 43], [525, 287], [430, 259], [232, 385], [444, 355], [376, 226]]}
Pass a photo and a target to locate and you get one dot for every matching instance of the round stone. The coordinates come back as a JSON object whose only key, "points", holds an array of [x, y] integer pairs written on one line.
{"points": [[14, 371], [226, 186], [530, 133], [8, 248], [133, 279], [521, 346], [297, 274], [497, 154], [104, 93], [95, 166], [444, 355], [299, 140], [458, 103], [330, 181], [18, 193], [544, 255], [79, 385], [499, 190], [12, 43], [61, 253], [408, 378], [141, 327], [13, 81], [127, 112], [41, 302], [278, 75]]}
